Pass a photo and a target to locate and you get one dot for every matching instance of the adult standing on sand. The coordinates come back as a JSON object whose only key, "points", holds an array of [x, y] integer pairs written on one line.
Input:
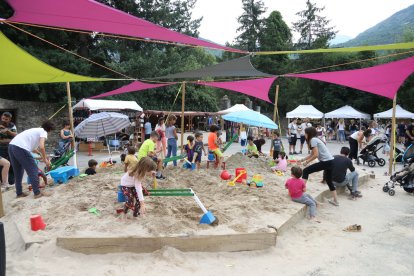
{"points": [[7, 132], [162, 141], [20, 150], [320, 151], [355, 142]]}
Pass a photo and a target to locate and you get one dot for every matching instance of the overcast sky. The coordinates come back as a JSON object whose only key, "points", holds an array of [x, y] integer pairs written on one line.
{"points": [[350, 17]]}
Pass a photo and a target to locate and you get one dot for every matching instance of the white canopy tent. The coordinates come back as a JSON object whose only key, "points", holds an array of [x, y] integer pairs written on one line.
{"points": [[400, 113], [305, 111], [347, 112], [234, 108], [92, 104]]}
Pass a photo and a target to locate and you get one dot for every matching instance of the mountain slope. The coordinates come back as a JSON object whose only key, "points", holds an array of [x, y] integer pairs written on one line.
{"points": [[388, 31]]}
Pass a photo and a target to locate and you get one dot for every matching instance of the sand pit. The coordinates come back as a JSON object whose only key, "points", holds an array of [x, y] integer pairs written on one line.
{"points": [[240, 209]]}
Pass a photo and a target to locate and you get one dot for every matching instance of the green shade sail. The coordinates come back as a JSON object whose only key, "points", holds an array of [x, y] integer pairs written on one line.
{"points": [[396, 46], [19, 67]]}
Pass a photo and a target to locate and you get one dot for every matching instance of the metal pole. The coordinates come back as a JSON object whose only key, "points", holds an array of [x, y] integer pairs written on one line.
{"points": [[392, 144], [182, 117], [71, 122]]}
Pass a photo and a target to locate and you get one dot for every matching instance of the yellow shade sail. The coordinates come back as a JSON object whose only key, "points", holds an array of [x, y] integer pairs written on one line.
{"points": [[19, 67]]}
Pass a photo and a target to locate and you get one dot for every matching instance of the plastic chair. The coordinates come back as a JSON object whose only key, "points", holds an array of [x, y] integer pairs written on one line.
{"points": [[115, 144]]}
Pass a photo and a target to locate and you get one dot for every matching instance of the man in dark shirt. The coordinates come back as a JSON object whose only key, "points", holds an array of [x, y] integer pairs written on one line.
{"points": [[7, 132], [409, 135], [340, 177]]}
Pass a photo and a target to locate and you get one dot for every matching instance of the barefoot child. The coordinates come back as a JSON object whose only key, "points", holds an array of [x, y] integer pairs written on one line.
{"points": [[276, 145], [132, 188], [147, 149], [91, 170], [251, 148], [198, 147], [297, 188], [189, 149], [214, 144], [281, 163], [130, 160]]}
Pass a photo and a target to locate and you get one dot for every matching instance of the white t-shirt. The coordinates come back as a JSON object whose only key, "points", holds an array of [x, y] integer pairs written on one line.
{"points": [[301, 129], [341, 126], [29, 139], [355, 135], [293, 128], [130, 181]]}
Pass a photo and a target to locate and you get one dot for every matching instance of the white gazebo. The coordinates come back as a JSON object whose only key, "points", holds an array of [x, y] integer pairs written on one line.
{"points": [[106, 105], [400, 113], [305, 111], [347, 112], [234, 108]]}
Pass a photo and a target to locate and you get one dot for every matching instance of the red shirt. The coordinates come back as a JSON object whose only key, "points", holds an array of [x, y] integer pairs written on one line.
{"points": [[295, 187]]}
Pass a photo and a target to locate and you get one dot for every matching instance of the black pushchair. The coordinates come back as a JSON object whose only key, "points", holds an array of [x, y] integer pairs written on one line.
{"points": [[369, 153], [405, 178]]}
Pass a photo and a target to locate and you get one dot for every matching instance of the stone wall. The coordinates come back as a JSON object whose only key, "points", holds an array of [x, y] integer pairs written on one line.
{"points": [[32, 114]]}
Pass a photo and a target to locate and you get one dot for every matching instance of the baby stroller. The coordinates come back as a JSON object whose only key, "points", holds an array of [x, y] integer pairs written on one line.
{"points": [[405, 178], [60, 157], [369, 153], [408, 155]]}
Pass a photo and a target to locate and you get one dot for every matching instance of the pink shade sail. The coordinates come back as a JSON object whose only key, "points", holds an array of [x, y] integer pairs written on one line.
{"points": [[383, 80], [132, 87], [258, 88], [92, 16]]}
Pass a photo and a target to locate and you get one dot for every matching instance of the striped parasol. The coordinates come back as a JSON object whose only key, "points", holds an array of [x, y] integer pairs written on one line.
{"points": [[102, 124]]}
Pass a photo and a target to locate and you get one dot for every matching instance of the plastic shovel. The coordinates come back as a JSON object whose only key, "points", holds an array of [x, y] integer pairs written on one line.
{"points": [[94, 211]]}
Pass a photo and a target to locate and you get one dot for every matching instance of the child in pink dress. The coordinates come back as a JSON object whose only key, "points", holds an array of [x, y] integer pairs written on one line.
{"points": [[281, 163]]}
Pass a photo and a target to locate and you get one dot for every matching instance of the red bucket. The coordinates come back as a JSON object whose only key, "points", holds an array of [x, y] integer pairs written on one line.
{"points": [[37, 223], [243, 175]]}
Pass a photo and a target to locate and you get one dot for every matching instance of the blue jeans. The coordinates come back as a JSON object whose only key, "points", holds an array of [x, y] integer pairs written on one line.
{"points": [[22, 160], [350, 178], [172, 148], [341, 135], [309, 201]]}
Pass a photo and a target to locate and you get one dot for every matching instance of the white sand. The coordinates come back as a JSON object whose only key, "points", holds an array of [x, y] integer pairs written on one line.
{"points": [[384, 247]]}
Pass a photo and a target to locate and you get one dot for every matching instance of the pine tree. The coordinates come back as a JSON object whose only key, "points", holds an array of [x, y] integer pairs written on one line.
{"points": [[313, 28], [251, 25]]}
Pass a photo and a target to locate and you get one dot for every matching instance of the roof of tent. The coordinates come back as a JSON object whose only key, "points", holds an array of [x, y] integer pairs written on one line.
{"points": [[347, 112], [399, 113], [305, 111], [107, 105], [234, 108]]}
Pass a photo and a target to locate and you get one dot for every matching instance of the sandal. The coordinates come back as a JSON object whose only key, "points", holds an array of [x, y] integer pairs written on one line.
{"points": [[353, 228], [335, 203]]}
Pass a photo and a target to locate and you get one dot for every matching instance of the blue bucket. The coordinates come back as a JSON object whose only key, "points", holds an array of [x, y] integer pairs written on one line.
{"points": [[211, 157], [121, 197]]}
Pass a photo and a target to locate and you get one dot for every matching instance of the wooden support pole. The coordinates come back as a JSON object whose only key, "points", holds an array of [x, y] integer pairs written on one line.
{"points": [[182, 117], [392, 144], [275, 108], [72, 129]]}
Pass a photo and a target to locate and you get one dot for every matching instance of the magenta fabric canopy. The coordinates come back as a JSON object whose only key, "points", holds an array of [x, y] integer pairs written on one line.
{"points": [[383, 80], [92, 16], [132, 87], [258, 88]]}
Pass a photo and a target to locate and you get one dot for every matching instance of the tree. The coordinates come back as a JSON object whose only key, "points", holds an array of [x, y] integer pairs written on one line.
{"points": [[313, 28], [251, 25]]}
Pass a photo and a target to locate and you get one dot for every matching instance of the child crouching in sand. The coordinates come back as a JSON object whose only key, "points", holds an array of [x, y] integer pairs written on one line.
{"points": [[281, 163], [132, 187], [297, 188]]}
